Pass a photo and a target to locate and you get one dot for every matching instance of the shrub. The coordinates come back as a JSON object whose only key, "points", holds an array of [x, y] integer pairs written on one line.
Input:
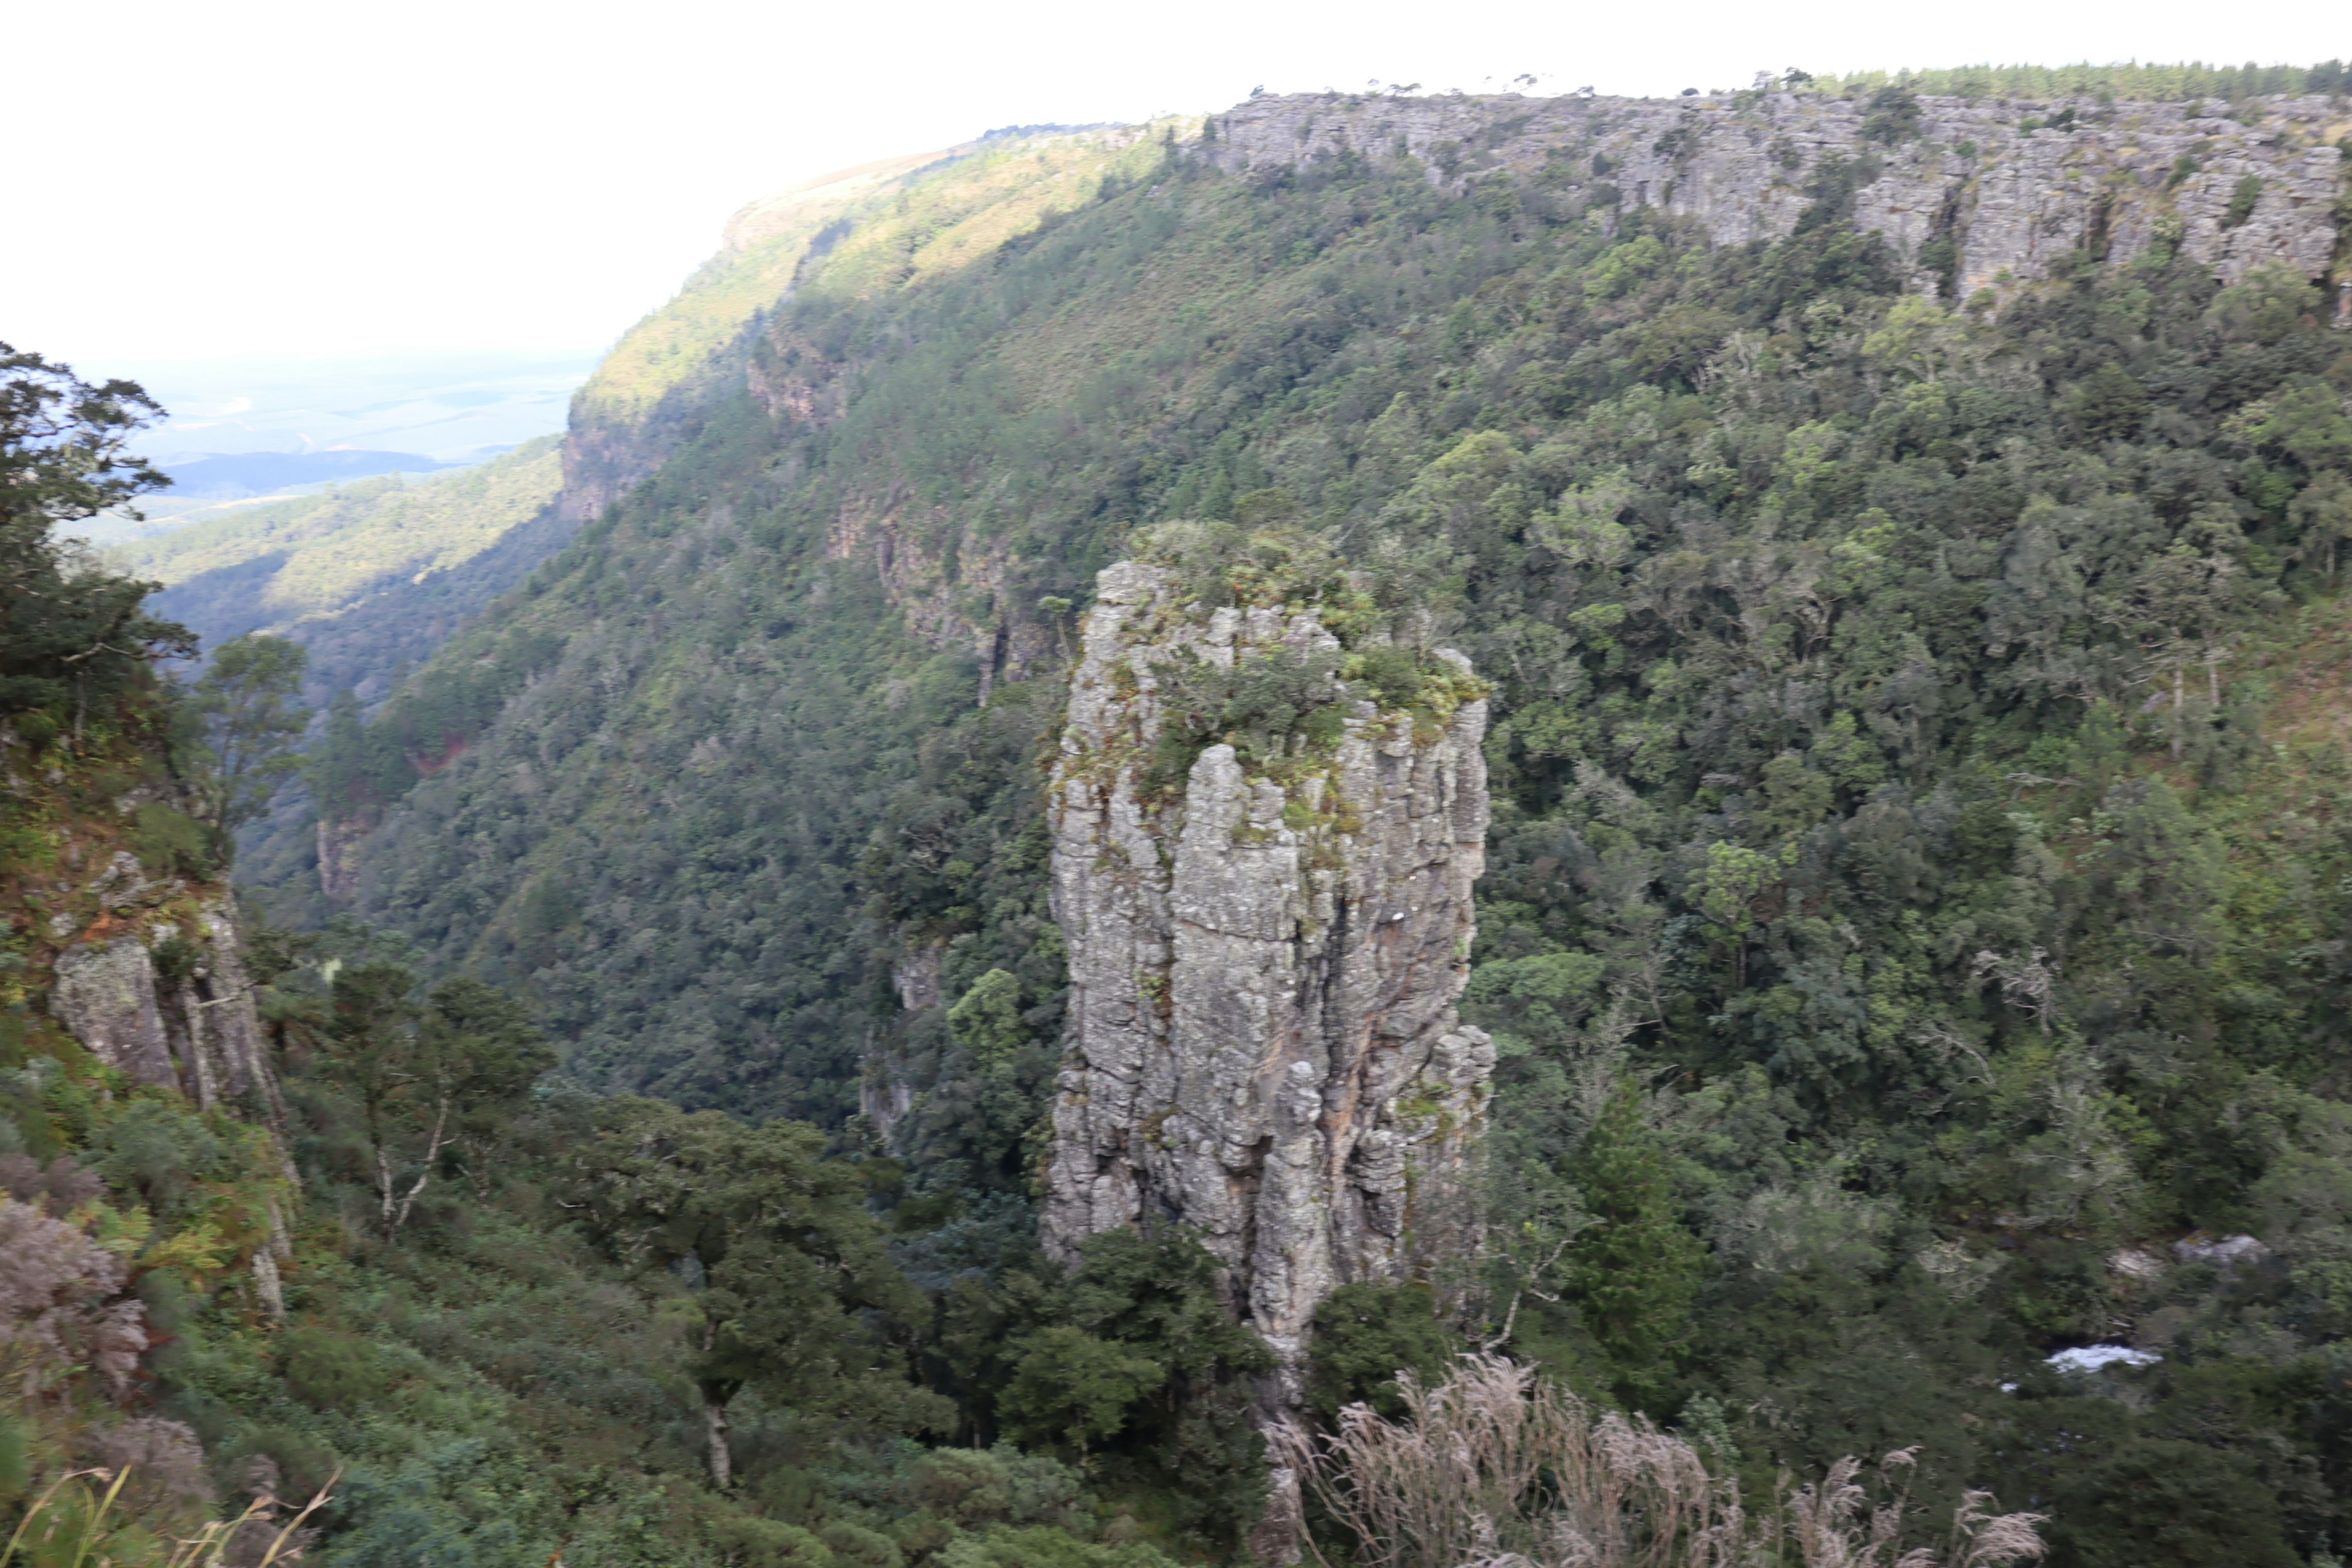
{"points": [[329, 1371]]}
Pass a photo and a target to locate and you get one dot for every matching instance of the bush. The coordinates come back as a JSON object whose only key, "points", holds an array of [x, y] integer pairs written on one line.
{"points": [[331, 1370], [1260, 706]]}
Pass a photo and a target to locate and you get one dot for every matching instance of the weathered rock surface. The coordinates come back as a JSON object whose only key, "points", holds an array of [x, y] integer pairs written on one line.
{"points": [[168, 1002], [1262, 977], [2011, 200]]}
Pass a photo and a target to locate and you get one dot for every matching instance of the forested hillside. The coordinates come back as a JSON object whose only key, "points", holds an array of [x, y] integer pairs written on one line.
{"points": [[1890, 766], [1915, 926]]}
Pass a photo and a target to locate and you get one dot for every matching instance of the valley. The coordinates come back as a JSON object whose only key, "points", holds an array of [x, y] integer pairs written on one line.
{"points": [[1134, 810]]}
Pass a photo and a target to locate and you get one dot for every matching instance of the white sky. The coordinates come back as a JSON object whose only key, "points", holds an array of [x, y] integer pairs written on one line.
{"points": [[245, 177]]}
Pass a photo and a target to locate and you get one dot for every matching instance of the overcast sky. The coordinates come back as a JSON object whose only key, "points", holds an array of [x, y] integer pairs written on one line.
{"points": [[336, 176]]}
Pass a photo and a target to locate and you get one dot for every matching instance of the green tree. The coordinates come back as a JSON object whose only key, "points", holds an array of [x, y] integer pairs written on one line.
{"points": [[1634, 1268], [1365, 1335], [987, 1021], [1131, 1358], [248, 706], [68, 633], [2323, 518], [790, 1270], [1071, 1387], [429, 1077]]}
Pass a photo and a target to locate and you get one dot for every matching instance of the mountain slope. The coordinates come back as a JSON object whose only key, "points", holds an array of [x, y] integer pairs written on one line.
{"points": [[891, 220]]}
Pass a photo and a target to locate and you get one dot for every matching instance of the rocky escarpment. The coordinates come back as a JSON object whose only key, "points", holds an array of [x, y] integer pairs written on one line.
{"points": [[1267, 942], [1971, 192]]}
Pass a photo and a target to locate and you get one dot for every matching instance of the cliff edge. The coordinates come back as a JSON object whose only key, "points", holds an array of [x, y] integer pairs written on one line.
{"points": [[1973, 193]]}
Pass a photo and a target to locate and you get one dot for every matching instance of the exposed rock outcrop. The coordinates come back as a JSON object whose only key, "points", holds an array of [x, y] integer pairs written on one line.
{"points": [[167, 1002], [2256, 186], [955, 587], [1263, 967]]}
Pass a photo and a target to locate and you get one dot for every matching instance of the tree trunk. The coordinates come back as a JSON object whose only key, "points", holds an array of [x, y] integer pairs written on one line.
{"points": [[393, 1219], [722, 1464], [2179, 696]]}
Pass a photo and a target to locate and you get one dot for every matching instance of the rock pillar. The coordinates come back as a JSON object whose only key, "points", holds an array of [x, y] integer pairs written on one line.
{"points": [[1264, 966]]}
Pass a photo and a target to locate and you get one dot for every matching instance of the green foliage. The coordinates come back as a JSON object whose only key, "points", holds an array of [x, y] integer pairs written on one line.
{"points": [[794, 1284], [1915, 753], [13, 1470], [70, 634], [1894, 116], [313, 555], [328, 1369], [2156, 83], [161, 1152], [1069, 1387], [248, 712], [1130, 1360], [1365, 1336], [2243, 195], [172, 842], [988, 1021], [1635, 1269], [431, 1077], [1264, 707], [1001, 1547]]}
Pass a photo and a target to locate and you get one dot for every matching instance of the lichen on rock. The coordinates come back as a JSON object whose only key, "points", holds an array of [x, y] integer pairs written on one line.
{"points": [[1266, 947]]}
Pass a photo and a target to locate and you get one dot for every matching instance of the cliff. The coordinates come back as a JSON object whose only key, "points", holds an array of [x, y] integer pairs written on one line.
{"points": [[126, 937], [1973, 193], [1264, 957]]}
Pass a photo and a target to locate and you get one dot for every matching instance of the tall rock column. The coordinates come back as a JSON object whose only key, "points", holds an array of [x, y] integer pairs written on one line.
{"points": [[1264, 959]]}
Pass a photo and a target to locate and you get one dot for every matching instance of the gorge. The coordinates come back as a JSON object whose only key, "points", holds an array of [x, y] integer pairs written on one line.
{"points": [[1702, 743]]}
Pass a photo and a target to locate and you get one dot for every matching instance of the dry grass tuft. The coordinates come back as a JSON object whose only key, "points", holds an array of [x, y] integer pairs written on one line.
{"points": [[1497, 1468]]}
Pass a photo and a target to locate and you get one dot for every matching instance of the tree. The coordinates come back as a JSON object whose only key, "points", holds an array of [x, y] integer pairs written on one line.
{"points": [[1071, 1387], [428, 1076], [68, 631], [248, 703], [2179, 606], [1130, 1359], [2323, 517], [1634, 1268], [788, 1266], [1365, 1335]]}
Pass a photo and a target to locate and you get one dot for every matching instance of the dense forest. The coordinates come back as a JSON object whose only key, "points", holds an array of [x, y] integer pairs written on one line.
{"points": [[1914, 935]]}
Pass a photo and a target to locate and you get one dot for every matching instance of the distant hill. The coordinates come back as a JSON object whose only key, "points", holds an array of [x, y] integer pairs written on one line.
{"points": [[367, 575], [453, 407], [229, 475]]}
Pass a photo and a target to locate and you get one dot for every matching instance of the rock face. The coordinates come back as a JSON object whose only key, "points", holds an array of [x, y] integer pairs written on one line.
{"points": [[2116, 179], [1263, 972], [167, 1002]]}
